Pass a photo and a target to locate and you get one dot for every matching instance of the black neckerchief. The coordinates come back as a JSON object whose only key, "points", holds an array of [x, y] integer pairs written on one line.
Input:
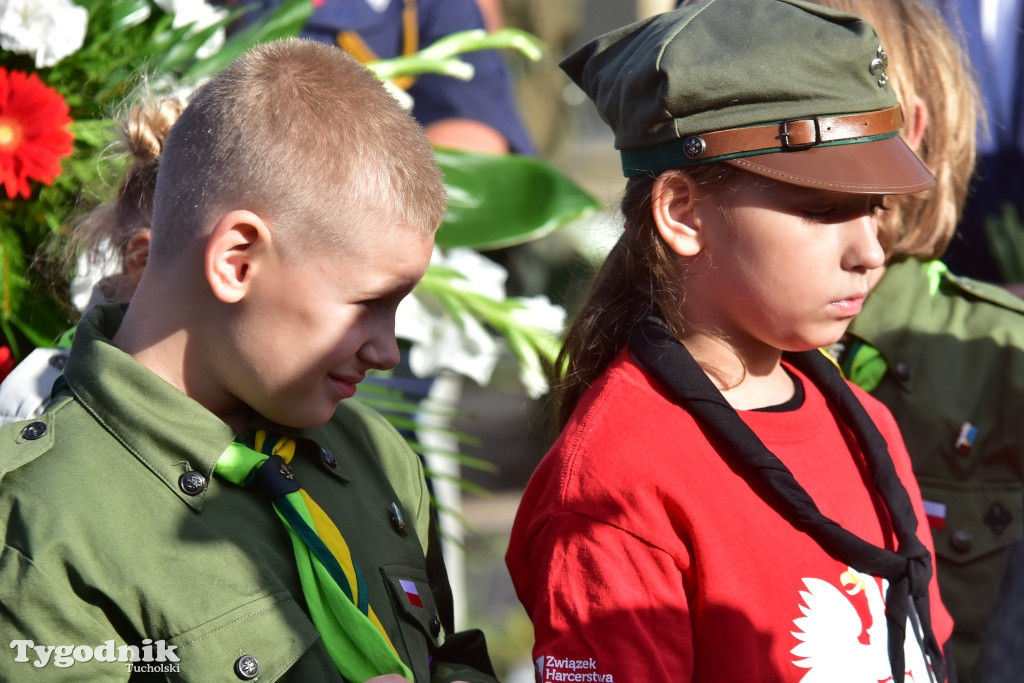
{"points": [[908, 569]]}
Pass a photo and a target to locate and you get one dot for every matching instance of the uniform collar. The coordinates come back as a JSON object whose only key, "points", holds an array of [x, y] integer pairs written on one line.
{"points": [[889, 320], [166, 430]]}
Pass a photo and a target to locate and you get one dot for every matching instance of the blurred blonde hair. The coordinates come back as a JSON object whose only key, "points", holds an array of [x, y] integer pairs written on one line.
{"points": [[926, 62], [102, 235]]}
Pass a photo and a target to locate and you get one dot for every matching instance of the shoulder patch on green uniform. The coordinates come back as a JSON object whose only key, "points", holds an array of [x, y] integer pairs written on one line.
{"points": [[993, 294]]}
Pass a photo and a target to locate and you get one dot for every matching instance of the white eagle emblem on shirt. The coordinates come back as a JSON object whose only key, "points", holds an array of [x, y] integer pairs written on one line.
{"points": [[836, 646]]}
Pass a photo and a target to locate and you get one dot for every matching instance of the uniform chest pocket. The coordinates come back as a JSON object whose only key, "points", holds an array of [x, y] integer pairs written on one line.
{"points": [[972, 521], [262, 638], [974, 526], [418, 618]]}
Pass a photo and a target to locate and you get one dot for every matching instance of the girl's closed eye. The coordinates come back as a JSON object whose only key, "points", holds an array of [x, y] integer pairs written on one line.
{"points": [[839, 211], [819, 213]]}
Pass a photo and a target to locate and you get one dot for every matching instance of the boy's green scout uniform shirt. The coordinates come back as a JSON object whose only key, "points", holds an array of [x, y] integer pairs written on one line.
{"points": [[946, 355], [115, 529]]}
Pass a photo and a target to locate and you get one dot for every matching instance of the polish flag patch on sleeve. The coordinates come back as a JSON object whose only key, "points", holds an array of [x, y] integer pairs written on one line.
{"points": [[936, 514], [412, 594]]}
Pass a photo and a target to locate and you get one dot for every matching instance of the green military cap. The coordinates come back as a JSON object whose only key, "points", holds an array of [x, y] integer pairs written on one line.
{"points": [[786, 89]]}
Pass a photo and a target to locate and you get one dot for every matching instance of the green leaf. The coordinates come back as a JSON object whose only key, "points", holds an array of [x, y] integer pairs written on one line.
{"points": [[502, 200], [415, 66], [118, 15], [478, 39], [440, 57], [12, 265], [41, 335], [95, 133], [284, 22]]}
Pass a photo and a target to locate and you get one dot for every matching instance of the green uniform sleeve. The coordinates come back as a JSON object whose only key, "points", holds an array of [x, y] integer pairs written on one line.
{"points": [[53, 634]]}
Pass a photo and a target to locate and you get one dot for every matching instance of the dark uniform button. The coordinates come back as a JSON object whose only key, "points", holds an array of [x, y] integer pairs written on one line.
{"points": [[397, 521], [328, 458], [192, 483], [33, 431], [58, 361], [998, 518], [902, 371], [962, 541], [435, 626], [247, 668]]}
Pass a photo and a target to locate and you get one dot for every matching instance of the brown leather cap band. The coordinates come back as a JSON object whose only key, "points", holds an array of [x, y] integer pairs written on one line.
{"points": [[792, 135]]}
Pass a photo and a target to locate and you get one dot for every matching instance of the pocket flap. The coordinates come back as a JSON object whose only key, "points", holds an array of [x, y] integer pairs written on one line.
{"points": [[412, 596], [264, 637], [969, 521]]}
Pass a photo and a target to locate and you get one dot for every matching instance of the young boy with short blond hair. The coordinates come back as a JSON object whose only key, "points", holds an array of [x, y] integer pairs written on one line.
{"points": [[198, 496]]}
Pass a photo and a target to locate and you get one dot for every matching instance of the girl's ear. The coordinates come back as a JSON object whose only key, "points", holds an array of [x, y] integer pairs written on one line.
{"points": [[916, 123], [237, 245], [674, 202], [136, 255]]}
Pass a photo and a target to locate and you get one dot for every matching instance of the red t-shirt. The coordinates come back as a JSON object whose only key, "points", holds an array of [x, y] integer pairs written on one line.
{"points": [[641, 556]]}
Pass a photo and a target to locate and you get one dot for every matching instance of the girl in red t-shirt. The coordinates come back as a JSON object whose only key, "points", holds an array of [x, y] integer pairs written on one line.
{"points": [[721, 505]]}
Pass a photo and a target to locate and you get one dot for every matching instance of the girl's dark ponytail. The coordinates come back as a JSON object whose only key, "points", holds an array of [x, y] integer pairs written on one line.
{"points": [[639, 276]]}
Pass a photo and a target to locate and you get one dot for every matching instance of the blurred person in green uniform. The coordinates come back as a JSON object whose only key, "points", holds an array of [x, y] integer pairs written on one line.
{"points": [[197, 501], [946, 354]]}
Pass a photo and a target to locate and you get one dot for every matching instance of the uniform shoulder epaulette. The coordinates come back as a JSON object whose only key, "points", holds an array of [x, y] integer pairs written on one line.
{"points": [[23, 442], [994, 294]]}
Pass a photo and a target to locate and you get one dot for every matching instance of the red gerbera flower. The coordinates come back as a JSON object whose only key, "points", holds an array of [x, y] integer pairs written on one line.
{"points": [[33, 132], [6, 362]]}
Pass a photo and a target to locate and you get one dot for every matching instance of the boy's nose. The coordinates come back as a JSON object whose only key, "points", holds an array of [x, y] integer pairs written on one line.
{"points": [[381, 350], [864, 252]]}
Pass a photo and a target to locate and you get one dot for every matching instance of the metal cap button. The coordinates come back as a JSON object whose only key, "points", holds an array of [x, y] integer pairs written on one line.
{"points": [[247, 668], [328, 458], [962, 541], [693, 147], [33, 431], [192, 483]]}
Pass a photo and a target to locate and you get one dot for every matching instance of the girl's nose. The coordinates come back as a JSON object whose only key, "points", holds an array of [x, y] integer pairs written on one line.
{"points": [[864, 252]]}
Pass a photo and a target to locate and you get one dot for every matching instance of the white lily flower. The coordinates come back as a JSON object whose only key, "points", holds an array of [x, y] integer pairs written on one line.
{"points": [[413, 322], [463, 346], [448, 329], [532, 376], [482, 275], [48, 30], [199, 13], [539, 313], [440, 340]]}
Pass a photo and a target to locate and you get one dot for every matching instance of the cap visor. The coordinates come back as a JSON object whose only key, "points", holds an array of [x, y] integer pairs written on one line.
{"points": [[878, 167]]}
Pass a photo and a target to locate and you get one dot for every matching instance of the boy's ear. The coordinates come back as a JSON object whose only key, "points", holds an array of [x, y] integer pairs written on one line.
{"points": [[674, 201], [238, 240]]}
